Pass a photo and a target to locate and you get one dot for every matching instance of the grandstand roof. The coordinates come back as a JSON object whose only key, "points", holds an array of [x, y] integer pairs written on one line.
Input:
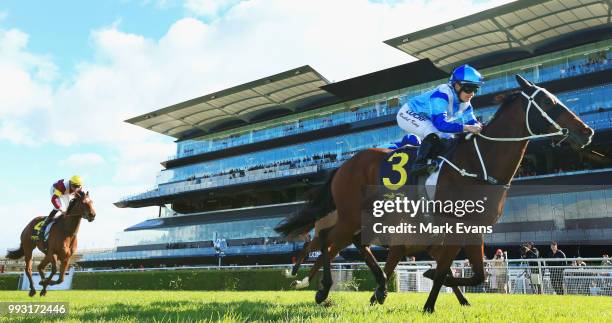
{"points": [[290, 91], [397, 77], [522, 26]]}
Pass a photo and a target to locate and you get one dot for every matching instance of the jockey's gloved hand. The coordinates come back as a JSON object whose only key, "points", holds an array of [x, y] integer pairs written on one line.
{"points": [[475, 128]]}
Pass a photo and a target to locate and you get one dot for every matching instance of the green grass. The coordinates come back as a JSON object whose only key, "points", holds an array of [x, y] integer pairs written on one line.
{"points": [[164, 306]]}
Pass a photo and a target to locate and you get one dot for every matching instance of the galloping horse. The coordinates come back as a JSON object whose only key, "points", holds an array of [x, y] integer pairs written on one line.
{"points": [[528, 114], [62, 242]]}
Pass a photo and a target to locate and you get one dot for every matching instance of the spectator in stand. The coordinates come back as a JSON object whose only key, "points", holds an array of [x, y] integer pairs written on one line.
{"points": [[606, 260], [556, 270]]}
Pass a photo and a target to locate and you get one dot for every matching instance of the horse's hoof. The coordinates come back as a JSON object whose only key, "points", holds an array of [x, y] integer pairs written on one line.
{"points": [[321, 296], [301, 284], [43, 293], [373, 300], [428, 309], [32, 292], [465, 303], [294, 271], [381, 295], [287, 273]]}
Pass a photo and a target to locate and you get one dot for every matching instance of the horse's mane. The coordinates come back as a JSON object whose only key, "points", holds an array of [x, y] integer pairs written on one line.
{"points": [[74, 200], [506, 99]]}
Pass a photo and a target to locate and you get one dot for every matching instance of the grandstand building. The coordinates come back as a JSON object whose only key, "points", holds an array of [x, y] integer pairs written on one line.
{"points": [[246, 155]]}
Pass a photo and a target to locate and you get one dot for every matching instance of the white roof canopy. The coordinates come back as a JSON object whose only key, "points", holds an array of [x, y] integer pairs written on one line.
{"points": [[289, 91], [521, 25]]}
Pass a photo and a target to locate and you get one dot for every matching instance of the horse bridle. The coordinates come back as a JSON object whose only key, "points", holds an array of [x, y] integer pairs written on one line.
{"points": [[556, 111], [71, 205]]}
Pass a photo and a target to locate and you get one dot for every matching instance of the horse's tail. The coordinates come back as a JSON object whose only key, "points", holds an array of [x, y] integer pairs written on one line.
{"points": [[15, 254], [319, 204]]}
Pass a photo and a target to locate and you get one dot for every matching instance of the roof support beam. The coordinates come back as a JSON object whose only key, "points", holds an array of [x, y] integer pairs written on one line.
{"points": [[553, 27], [505, 30], [552, 13], [439, 59], [293, 85], [287, 100], [453, 41]]}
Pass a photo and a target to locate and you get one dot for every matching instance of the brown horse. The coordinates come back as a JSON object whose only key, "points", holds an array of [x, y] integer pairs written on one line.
{"points": [[498, 155], [62, 242]]}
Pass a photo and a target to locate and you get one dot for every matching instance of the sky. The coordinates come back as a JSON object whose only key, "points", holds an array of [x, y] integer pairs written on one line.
{"points": [[72, 71]]}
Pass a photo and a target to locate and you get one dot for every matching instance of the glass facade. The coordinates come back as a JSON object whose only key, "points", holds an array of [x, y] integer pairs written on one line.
{"points": [[559, 207], [568, 63], [253, 228], [558, 210], [294, 156], [592, 104], [199, 252]]}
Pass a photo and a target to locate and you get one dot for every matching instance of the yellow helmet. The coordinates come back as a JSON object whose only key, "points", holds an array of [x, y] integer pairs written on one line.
{"points": [[76, 180]]}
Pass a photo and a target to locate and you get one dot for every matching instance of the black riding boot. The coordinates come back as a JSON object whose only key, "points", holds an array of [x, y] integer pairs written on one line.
{"points": [[427, 148], [48, 220]]}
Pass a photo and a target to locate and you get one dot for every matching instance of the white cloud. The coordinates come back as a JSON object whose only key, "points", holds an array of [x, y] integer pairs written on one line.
{"points": [[208, 8], [24, 77], [16, 133], [82, 160]]}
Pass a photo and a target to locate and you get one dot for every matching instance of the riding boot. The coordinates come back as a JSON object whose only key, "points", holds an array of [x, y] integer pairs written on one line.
{"points": [[427, 148], [43, 228]]}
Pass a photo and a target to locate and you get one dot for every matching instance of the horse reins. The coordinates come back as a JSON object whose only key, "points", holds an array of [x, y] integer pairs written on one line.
{"points": [[530, 101]]}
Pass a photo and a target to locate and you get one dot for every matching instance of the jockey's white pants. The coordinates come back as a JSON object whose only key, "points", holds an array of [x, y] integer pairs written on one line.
{"points": [[417, 124], [64, 202]]}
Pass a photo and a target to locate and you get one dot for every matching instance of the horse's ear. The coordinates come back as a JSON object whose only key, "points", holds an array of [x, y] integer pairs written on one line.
{"points": [[525, 85]]}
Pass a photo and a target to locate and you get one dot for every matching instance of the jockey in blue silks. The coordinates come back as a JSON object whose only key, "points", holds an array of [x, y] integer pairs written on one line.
{"points": [[437, 115]]}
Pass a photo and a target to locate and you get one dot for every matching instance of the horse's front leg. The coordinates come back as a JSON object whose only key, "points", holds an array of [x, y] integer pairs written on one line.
{"points": [[460, 297], [63, 267], [326, 280], [444, 262], [475, 255], [380, 294], [41, 269], [43, 292]]}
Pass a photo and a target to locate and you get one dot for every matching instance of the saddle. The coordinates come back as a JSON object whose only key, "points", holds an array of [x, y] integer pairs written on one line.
{"points": [[37, 229], [395, 168]]}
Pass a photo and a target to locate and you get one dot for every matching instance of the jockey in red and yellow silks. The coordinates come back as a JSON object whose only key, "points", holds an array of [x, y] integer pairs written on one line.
{"points": [[62, 192]]}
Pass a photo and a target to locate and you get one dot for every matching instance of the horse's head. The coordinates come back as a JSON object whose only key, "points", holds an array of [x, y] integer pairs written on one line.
{"points": [[84, 206], [547, 114]]}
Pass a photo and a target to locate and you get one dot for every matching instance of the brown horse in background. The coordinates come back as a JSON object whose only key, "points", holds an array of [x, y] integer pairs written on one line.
{"points": [[513, 126], [62, 242]]}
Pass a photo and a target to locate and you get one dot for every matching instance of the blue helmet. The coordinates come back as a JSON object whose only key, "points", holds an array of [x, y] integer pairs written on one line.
{"points": [[465, 74]]}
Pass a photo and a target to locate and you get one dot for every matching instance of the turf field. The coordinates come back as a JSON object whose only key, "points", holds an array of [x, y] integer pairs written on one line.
{"points": [[170, 306]]}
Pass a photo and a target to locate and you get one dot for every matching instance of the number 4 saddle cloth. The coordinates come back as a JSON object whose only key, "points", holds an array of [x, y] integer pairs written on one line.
{"points": [[37, 228]]}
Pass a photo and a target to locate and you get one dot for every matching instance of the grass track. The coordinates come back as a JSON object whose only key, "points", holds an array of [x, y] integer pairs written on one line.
{"points": [[170, 306]]}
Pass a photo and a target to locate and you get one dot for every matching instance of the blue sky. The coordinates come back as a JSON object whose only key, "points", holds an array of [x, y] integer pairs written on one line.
{"points": [[72, 71], [62, 28]]}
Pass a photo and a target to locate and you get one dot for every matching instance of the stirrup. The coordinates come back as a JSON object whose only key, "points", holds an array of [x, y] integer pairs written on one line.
{"points": [[422, 169]]}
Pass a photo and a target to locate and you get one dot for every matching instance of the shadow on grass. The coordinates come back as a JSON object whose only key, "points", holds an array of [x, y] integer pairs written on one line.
{"points": [[194, 310]]}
